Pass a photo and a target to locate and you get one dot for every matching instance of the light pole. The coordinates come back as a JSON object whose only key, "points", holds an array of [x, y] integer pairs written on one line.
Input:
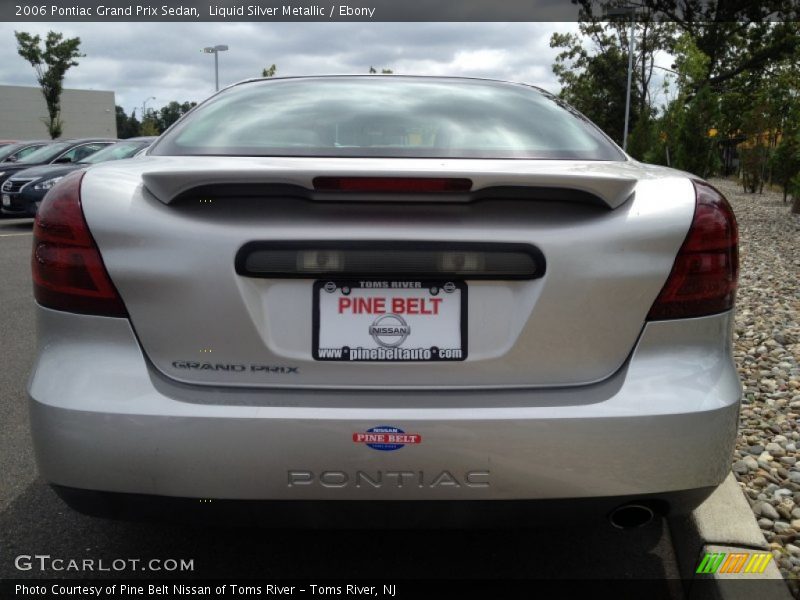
{"points": [[215, 50], [624, 11], [144, 106]]}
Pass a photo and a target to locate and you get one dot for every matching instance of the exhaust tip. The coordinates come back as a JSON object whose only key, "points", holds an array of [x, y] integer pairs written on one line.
{"points": [[631, 516]]}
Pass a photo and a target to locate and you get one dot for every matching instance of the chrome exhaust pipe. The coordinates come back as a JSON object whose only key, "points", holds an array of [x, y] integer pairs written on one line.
{"points": [[631, 516]]}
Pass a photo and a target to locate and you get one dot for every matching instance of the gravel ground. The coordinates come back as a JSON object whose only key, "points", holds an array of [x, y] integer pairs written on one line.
{"points": [[767, 350]]}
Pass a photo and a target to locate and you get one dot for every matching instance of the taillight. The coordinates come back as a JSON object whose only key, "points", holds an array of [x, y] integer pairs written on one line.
{"points": [[68, 272], [705, 272], [402, 185]]}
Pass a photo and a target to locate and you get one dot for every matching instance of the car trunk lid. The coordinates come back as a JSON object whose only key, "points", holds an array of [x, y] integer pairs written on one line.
{"points": [[170, 232]]}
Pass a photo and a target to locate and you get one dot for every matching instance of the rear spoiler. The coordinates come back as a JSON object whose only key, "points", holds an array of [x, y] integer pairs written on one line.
{"points": [[584, 182]]}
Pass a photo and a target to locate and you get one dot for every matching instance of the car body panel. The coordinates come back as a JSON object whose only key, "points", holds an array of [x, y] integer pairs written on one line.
{"points": [[173, 266], [209, 388], [665, 421]]}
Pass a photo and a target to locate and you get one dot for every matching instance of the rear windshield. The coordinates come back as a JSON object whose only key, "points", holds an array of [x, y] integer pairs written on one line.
{"points": [[386, 117]]}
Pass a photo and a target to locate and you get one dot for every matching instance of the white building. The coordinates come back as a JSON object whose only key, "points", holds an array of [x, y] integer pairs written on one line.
{"points": [[85, 113]]}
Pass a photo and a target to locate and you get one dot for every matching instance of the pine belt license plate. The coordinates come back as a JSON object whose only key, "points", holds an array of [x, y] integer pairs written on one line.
{"points": [[389, 321]]}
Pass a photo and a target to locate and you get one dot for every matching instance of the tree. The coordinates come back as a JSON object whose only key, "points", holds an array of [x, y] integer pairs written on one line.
{"points": [[736, 35], [51, 64], [150, 126], [692, 117], [373, 71], [590, 65], [644, 138], [727, 55], [170, 113], [122, 121], [134, 126], [786, 164], [269, 71], [128, 126]]}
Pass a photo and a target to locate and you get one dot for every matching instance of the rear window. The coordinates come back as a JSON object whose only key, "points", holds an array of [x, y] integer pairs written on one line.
{"points": [[386, 117]]}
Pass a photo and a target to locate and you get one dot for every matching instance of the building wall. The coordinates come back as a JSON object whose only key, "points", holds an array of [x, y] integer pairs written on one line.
{"points": [[85, 113]]}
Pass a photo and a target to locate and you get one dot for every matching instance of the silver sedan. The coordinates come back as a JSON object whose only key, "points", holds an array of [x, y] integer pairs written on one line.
{"points": [[367, 288]]}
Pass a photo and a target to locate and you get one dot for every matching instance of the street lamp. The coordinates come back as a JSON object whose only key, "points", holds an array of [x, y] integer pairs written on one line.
{"points": [[144, 106], [215, 50], [625, 11]]}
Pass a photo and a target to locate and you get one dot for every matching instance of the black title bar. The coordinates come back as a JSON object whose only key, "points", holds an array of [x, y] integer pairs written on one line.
{"points": [[392, 10]]}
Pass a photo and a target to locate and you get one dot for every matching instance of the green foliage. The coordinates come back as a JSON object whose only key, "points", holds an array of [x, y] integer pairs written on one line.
{"points": [[751, 161], [373, 71], [133, 128], [794, 188], [51, 64], [643, 139], [269, 71], [695, 150], [592, 70], [736, 70], [693, 113], [156, 122], [170, 113], [785, 164], [125, 128], [594, 86], [150, 126], [691, 64], [737, 36]]}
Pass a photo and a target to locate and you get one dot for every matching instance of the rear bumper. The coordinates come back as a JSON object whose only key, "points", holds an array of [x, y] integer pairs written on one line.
{"points": [[102, 419], [360, 514]]}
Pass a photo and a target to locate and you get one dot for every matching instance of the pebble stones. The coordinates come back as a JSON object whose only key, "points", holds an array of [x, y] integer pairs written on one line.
{"points": [[767, 353]]}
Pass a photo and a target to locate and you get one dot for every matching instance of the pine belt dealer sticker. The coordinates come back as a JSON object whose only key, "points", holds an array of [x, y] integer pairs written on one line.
{"points": [[386, 438]]}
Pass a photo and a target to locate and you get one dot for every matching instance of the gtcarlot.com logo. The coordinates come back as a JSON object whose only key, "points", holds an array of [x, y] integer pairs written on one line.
{"points": [[46, 562]]}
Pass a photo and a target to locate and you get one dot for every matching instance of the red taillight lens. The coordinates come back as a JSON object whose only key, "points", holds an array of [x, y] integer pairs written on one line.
{"points": [[68, 272], [419, 185], [703, 278]]}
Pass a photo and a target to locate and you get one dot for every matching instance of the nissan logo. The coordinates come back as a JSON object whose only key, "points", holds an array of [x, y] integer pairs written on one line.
{"points": [[389, 330]]}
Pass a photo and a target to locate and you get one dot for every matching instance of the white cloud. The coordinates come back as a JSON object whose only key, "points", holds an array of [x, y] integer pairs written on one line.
{"points": [[139, 60]]}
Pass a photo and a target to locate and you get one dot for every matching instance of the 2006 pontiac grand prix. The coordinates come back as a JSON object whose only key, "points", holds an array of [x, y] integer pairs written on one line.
{"points": [[390, 292]]}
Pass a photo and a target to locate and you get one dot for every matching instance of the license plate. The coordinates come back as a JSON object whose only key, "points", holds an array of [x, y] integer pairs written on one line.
{"points": [[6, 200], [389, 321]]}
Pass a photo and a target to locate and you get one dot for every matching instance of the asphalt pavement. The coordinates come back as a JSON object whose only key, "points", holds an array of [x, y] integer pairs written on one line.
{"points": [[17, 340], [33, 520]]}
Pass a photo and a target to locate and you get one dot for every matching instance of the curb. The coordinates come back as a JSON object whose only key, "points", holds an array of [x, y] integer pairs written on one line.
{"points": [[723, 523]]}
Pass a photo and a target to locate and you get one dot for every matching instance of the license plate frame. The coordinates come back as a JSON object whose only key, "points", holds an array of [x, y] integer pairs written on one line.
{"points": [[6, 201], [375, 351]]}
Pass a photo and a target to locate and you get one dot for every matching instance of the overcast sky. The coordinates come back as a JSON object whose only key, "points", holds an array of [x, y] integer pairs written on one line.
{"points": [[139, 60]]}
